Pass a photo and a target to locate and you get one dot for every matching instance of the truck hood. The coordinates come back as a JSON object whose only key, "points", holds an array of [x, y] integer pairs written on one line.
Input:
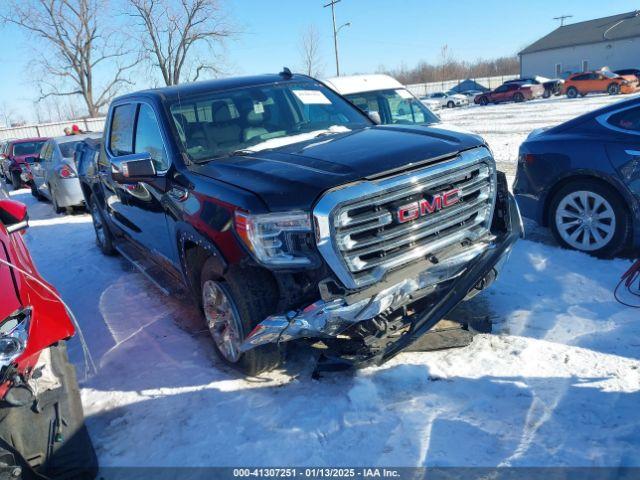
{"points": [[293, 176]]}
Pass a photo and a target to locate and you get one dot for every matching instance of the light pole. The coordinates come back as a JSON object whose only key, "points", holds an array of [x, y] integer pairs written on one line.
{"points": [[332, 4]]}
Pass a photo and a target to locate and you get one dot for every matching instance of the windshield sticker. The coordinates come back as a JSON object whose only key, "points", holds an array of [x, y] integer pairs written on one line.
{"points": [[258, 108], [404, 93], [312, 97]]}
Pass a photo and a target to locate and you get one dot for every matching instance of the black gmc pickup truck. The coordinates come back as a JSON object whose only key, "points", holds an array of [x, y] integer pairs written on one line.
{"points": [[290, 215]]}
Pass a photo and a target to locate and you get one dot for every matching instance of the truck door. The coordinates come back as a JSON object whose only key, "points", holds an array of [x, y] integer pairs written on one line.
{"points": [[138, 209]]}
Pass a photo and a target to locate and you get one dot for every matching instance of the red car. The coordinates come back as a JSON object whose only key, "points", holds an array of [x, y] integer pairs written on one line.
{"points": [[12, 158], [42, 427], [510, 92]]}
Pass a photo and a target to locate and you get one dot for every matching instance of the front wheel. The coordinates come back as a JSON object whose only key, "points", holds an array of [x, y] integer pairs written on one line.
{"points": [[589, 216], [572, 92], [613, 89], [546, 94], [450, 104], [518, 98], [484, 101], [232, 307]]}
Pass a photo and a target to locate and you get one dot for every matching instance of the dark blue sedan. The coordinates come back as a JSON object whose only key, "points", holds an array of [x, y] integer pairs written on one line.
{"points": [[582, 179]]}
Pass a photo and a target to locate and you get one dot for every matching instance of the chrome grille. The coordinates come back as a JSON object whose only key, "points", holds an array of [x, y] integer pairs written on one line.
{"points": [[360, 239]]}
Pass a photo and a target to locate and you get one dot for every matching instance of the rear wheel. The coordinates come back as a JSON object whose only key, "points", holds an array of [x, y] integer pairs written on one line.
{"points": [[54, 201], [232, 307], [613, 89], [589, 216], [104, 239], [572, 92], [16, 181], [49, 434], [547, 93]]}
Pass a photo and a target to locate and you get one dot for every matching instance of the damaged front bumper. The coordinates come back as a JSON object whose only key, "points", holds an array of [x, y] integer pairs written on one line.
{"points": [[468, 271]]}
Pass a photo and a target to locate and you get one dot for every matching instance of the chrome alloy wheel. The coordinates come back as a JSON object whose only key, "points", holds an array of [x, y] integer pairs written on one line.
{"points": [[585, 220], [222, 319]]}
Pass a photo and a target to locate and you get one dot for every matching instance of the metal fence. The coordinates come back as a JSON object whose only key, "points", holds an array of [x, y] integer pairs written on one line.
{"points": [[421, 89], [54, 129]]}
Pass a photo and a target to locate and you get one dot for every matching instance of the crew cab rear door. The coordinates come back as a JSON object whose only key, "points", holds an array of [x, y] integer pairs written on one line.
{"points": [[138, 209]]}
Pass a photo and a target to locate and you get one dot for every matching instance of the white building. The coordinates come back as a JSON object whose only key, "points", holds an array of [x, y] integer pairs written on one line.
{"points": [[612, 42]]}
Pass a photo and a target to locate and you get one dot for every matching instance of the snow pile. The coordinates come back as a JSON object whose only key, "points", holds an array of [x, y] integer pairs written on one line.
{"points": [[558, 384]]}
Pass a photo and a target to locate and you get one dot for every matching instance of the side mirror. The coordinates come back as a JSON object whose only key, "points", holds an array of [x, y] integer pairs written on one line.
{"points": [[13, 215], [375, 117], [134, 168]]}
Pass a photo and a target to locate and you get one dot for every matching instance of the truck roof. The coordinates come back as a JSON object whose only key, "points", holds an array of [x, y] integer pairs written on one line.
{"points": [[362, 83], [196, 88]]}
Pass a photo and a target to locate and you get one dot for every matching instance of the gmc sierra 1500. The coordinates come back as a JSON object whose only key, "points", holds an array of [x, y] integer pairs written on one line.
{"points": [[290, 215]]}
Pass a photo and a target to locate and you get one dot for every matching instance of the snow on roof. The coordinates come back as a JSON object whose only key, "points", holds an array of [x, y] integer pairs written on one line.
{"points": [[362, 83]]}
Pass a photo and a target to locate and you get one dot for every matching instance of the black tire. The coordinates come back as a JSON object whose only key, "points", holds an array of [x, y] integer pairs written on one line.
{"points": [[518, 98], [484, 101], [547, 93], [105, 242], [16, 181], [622, 217], [50, 434], [35, 192], [572, 92], [254, 295], [613, 89], [450, 104]]}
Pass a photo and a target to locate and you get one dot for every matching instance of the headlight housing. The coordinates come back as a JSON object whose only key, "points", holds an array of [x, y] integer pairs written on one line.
{"points": [[280, 240], [14, 331]]}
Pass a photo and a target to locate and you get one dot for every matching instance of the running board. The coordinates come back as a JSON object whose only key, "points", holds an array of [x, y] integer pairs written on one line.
{"points": [[151, 272]]}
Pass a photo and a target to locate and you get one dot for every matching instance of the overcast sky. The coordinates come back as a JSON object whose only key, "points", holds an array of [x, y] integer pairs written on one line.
{"points": [[382, 32]]}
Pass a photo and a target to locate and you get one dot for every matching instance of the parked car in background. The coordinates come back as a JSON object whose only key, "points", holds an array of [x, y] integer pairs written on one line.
{"points": [[471, 94], [41, 420], [383, 98], [291, 216], [12, 159], [582, 179], [510, 92], [551, 86], [54, 172], [448, 100], [599, 81], [629, 71]]}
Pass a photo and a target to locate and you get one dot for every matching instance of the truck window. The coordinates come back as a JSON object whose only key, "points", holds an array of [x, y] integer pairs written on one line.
{"points": [[121, 137], [149, 139], [394, 107]]}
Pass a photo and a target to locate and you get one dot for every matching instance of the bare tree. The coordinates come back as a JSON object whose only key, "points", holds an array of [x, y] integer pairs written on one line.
{"points": [[77, 44], [310, 51], [180, 37]]}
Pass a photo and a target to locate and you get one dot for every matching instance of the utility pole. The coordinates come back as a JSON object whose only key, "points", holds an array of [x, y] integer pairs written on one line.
{"points": [[332, 4], [562, 18]]}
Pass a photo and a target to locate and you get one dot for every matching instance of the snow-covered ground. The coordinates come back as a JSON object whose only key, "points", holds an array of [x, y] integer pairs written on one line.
{"points": [[558, 383]]}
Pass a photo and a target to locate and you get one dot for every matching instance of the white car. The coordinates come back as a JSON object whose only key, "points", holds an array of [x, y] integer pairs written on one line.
{"points": [[383, 98], [449, 100]]}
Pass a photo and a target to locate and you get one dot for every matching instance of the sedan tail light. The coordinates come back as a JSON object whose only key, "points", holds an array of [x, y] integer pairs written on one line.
{"points": [[66, 172]]}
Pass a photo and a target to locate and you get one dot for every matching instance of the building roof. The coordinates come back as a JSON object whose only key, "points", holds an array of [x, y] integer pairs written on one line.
{"points": [[616, 27]]}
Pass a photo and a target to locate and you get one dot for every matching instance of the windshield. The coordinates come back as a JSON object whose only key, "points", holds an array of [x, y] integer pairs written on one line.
{"points": [[27, 148], [67, 148], [394, 106], [608, 74], [221, 123]]}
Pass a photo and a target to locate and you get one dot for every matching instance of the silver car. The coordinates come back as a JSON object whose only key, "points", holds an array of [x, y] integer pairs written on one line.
{"points": [[54, 174]]}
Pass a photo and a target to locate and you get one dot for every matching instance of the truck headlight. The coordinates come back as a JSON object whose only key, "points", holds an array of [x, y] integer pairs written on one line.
{"points": [[278, 239], [13, 335]]}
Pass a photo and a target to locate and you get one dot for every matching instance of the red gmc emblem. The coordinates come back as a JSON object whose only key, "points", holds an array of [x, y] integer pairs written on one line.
{"points": [[423, 207]]}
